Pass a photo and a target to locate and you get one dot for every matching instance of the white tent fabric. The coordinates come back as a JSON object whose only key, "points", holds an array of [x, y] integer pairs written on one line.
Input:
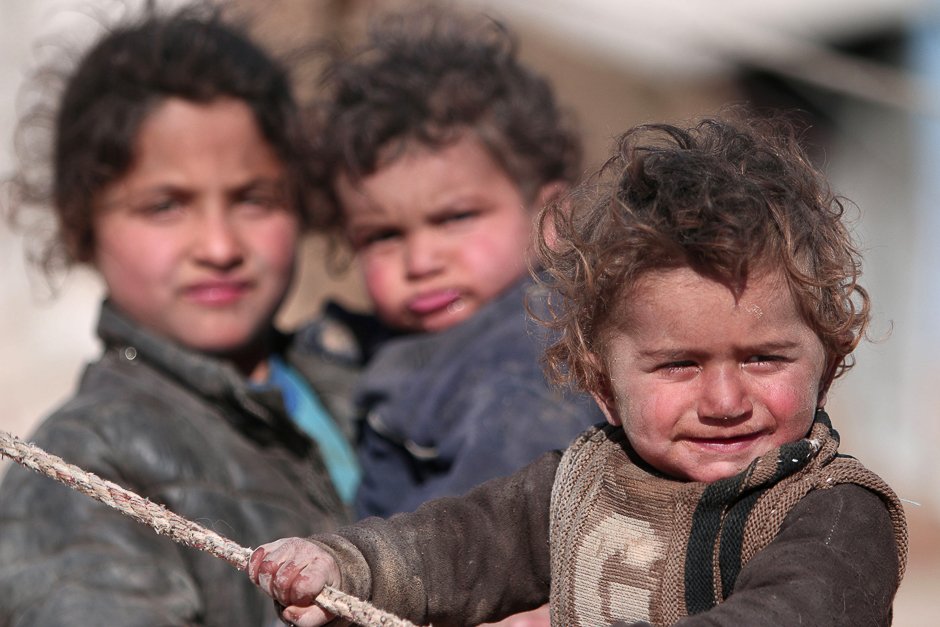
{"points": [[685, 39]]}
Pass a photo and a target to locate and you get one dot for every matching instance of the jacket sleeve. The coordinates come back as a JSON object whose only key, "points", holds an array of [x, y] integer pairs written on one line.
{"points": [[67, 559], [834, 563], [456, 561]]}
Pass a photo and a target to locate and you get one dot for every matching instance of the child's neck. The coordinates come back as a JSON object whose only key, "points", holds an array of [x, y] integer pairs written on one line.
{"points": [[252, 361]]}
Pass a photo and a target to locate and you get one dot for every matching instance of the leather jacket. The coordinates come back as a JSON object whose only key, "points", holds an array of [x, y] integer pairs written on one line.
{"points": [[185, 430]]}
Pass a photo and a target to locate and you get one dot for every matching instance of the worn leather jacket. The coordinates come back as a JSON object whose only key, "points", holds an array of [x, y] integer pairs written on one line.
{"points": [[184, 430]]}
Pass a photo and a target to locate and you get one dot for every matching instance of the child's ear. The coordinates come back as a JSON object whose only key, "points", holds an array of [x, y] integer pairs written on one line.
{"points": [[549, 193], [608, 407], [823, 394], [76, 251], [604, 396], [826, 383]]}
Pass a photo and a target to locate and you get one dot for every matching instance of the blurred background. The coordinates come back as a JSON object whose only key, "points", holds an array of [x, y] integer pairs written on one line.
{"points": [[864, 75]]}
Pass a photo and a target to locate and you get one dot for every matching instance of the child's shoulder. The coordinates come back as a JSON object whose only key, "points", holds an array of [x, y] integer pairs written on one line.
{"points": [[509, 324], [591, 450]]}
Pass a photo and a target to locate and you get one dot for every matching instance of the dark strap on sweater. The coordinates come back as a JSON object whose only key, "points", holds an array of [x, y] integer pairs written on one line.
{"points": [[720, 518]]}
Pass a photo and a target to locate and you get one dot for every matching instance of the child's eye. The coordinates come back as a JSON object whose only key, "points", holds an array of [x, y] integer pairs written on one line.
{"points": [[764, 360], [364, 240], [261, 200], [458, 216], [678, 370], [162, 208], [759, 358]]}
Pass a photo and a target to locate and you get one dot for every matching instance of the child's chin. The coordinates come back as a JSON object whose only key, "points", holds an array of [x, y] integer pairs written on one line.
{"points": [[223, 343], [710, 473]]}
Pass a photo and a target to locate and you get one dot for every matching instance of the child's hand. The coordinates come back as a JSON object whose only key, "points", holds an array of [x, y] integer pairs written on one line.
{"points": [[293, 571]]}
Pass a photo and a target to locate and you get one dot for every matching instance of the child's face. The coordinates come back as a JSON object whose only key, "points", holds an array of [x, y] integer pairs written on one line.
{"points": [[702, 384], [197, 241], [438, 233]]}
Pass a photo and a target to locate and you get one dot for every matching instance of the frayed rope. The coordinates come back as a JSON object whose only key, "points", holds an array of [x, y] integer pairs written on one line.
{"points": [[177, 528]]}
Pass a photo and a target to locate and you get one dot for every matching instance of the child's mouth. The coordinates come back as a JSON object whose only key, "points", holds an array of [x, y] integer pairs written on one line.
{"points": [[432, 302], [734, 442], [217, 293]]}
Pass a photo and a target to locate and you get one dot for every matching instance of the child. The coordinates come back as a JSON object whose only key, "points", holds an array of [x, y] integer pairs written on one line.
{"points": [[179, 173], [442, 148], [707, 289]]}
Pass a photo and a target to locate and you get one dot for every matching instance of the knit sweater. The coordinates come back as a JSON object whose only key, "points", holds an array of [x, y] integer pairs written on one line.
{"points": [[816, 541], [641, 545]]}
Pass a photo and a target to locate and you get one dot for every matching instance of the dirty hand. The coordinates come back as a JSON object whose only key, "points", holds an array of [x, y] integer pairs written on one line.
{"points": [[293, 571]]}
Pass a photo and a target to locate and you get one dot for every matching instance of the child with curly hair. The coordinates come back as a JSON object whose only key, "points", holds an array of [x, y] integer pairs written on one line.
{"points": [[706, 288]]}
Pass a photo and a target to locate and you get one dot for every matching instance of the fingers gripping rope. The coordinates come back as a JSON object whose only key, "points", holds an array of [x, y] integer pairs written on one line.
{"points": [[179, 529]]}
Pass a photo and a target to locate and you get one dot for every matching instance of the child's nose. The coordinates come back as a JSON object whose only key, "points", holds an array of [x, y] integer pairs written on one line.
{"points": [[422, 254], [724, 394], [217, 241]]}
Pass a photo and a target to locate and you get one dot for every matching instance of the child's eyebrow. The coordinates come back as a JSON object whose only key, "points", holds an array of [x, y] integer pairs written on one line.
{"points": [[368, 222], [668, 354], [458, 202], [772, 346], [261, 182], [674, 353]]}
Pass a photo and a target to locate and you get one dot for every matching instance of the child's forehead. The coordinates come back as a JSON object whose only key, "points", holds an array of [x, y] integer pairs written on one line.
{"points": [[657, 294], [483, 138], [422, 175], [411, 147], [680, 312]]}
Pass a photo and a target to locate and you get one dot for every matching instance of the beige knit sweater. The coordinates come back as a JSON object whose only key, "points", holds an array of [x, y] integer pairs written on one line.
{"points": [[631, 544]]}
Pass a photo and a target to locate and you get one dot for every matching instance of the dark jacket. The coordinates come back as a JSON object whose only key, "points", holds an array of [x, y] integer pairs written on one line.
{"points": [[184, 430], [835, 559], [447, 411]]}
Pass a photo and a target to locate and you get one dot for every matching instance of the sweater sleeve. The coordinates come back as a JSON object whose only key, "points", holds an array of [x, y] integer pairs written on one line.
{"points": [[456, 561], [833, 563]]}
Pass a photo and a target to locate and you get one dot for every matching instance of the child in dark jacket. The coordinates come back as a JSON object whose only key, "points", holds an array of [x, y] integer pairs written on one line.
{"points": [[442, 147], [706, 287]]}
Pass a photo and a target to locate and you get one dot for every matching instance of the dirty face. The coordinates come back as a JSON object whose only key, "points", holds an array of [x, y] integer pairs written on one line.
{"points": [[438, 233], [197, 242], [703, 382]]}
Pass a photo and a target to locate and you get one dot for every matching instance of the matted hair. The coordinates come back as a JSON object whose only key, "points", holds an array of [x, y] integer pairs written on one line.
{"points": [[730, 197], [430, 75], [81, 136]]}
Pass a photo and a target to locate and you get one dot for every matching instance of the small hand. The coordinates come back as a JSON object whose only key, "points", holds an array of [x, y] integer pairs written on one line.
{"points": [[540, 617], [293, 571]]}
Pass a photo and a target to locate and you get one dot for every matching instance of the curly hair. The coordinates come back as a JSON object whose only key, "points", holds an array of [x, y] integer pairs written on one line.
{"points": [[87, 137], [730, 197], [429, 75]]}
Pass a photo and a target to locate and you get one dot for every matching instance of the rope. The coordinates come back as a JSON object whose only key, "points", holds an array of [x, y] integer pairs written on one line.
{"points": [[179, 529]]}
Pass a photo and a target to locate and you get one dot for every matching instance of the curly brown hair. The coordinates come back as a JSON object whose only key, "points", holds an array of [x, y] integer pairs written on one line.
{"points": [[732, 196], [429, 75], [80, 136]]}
